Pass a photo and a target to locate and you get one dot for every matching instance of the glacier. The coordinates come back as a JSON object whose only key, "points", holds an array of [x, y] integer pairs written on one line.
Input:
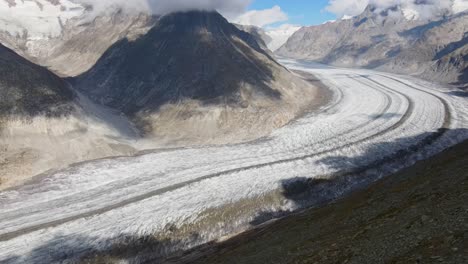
{"points": [[376, 123]]}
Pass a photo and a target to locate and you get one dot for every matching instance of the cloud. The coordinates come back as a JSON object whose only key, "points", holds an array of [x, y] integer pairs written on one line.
{"points": [[223, 6], [460, 6], [233, 10], [417, 8], [346, 7], [262, 18], [161, 7]]}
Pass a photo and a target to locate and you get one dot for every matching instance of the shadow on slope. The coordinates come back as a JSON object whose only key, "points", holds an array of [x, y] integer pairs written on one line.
{"points": [[418, 32], [85, 249], [357, 172], [415, 216], [452, 47]]}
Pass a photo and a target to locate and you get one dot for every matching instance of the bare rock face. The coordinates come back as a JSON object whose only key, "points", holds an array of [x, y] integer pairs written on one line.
{"points": [[388, 40], [195, 74]]}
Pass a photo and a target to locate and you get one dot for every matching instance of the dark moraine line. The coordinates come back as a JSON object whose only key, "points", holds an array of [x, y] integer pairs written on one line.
{"points": [[448, 114], [380, 115]]}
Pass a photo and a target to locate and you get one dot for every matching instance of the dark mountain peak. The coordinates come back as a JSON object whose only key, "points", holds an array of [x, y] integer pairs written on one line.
{"points": [[373, 10], [186, 55], [196, 26], [189, 62], [27, 90], [204, 25], [190, 19]]}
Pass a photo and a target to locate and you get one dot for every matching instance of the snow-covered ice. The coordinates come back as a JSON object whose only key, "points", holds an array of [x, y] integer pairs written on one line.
{"points": [[39, 18]]}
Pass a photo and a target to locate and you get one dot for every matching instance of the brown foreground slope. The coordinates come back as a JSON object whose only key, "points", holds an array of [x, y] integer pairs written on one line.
{"points": [[418, 215]]}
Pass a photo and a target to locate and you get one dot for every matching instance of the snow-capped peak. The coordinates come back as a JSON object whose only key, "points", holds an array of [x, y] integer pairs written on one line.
{"points": [[38, 18], [416, 10], [280, 35]]}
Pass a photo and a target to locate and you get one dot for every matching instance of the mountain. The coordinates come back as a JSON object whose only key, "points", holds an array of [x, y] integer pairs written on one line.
{"points": [[45, 125], [196, 75], [28, 90], [389, 40], [55, 33]]}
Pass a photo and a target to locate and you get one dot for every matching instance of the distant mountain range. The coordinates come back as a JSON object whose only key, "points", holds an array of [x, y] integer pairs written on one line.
{"points": [[389, 40]]}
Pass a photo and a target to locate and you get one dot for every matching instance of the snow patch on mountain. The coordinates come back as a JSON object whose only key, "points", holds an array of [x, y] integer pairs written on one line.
{"points": [[280, 35], [411, 9], [37, 19]]}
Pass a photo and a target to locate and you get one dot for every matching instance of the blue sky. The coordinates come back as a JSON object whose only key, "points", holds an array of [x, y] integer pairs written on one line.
{"points": [[301, 12]]}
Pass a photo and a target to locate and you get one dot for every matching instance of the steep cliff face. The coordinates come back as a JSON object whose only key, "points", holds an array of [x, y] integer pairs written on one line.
{"points": [[196, 69], [388, 40]]}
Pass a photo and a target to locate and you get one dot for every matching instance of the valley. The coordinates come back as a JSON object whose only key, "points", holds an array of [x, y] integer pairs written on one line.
{"points": [[167, 131], [386, 122]]}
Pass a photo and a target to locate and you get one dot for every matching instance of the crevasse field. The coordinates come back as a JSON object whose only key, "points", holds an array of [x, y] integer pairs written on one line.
{"points": [[375, 124]]}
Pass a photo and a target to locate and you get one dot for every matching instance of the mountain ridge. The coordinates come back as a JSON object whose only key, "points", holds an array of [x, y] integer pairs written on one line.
{"points": [[389, 43]]}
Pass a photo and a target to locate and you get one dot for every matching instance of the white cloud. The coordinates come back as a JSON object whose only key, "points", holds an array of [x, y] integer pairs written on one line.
{"points": [[346, 7], [460, 6], [161, 7], [415, 8], [261, 18]]}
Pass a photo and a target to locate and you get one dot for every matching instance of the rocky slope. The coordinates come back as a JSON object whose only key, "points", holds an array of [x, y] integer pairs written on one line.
{"points": [[218, 83], [27, 90], [45, 125], [258, 33], [389, 41]]}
